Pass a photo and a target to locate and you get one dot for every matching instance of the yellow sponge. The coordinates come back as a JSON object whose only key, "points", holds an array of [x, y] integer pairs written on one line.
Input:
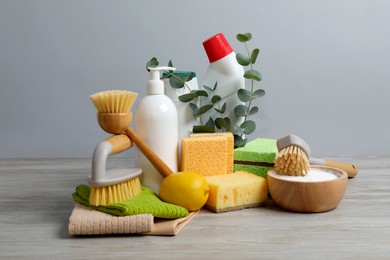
{"points": [[230, 148], [236, 191], [207, 154]]}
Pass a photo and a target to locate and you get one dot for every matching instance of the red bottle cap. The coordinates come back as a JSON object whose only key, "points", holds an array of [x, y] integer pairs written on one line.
{"points": [[217, 47]]}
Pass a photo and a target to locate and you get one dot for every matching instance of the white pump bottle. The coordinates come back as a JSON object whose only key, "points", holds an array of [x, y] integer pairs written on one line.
{"points": [[156, 122]]}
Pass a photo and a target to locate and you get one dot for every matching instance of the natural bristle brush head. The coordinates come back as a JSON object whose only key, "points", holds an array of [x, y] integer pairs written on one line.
{"points": [[114, 101], [113, 107], [293, 156]]}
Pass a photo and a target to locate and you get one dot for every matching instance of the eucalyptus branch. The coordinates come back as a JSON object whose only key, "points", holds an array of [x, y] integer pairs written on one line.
{"points": [[212, 100], [248, 126]]}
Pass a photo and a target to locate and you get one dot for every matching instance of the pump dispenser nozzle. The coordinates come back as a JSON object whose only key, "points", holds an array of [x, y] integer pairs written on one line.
{"points": [[155, 85]]}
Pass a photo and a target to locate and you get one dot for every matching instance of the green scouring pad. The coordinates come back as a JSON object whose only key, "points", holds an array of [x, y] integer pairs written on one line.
{"points": [[256, 156]]}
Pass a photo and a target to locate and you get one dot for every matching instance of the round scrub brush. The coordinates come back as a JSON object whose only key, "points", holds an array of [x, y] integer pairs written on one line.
{"points": [[293, 156], [113, 108], [113, 186]]}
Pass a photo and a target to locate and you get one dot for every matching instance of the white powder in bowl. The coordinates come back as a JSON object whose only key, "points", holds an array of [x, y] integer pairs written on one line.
{"points": [[314, 175]]}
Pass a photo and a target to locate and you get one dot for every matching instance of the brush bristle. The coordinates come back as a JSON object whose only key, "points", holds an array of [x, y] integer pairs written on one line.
{"points": [[292, 161], [114, 101], [120, 192]]}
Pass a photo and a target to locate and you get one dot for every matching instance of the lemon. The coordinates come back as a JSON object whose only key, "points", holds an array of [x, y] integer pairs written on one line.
{"points": [[187, 189]]}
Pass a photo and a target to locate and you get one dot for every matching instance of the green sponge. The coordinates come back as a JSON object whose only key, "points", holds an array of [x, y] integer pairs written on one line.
{"points": [[145, 202], [256, 156]]}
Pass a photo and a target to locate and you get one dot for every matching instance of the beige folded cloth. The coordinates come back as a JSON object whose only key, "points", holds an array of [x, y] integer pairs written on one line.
{"points": [[165, 227], [87, 221]]}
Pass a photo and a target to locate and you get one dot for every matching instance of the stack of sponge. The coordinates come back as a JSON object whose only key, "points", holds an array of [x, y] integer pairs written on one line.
{"points": [[232, 186]]}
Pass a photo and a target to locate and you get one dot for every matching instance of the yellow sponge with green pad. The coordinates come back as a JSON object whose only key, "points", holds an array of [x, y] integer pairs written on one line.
{"points": [[256, 156]]}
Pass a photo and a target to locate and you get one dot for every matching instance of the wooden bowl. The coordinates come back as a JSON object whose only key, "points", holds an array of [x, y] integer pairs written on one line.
{"points": [[311, 193]]}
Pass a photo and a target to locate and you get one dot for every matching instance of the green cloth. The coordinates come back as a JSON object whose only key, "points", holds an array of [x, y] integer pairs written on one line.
{"points": [[256, 156], [145, 202]]}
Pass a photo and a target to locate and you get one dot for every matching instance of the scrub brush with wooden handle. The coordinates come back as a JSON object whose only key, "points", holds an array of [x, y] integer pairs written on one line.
{"points": [[294, 158], [109, 188], [119, 122]]}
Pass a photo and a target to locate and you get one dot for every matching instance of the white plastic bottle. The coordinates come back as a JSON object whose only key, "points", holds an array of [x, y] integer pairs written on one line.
{"points": [[225, 70], [156, 122], [186, 119]]}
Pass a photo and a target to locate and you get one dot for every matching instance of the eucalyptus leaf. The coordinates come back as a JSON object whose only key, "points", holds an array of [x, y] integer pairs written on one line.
{"points": [[220, 123], [239, 141], [170, 64], [254, 55], [215, 86], [210, 123], [240, 110], [201, 93], [204, 109], [242, 59], [181, 77], [258, 93], [217, 110], [252, 74], [215, 99], [187, 97], [244, 37], [207, 88], [194, 108], [152, 63], [202, 129], [248, 127], [190, 76], [176, 83], [223, 108], [227, 123], [244, 95], [253, 111]]}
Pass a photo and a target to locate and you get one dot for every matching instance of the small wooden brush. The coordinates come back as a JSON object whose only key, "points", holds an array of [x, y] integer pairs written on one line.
{"points": [[114, 107], [292, 159], [119, 122]]}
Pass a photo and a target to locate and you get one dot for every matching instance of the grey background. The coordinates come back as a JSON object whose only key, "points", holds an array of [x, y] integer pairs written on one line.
{"points": [[325, 67]]}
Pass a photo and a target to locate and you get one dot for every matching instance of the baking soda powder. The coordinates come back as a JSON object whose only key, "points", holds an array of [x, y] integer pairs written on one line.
{"points": [[314, 175]]}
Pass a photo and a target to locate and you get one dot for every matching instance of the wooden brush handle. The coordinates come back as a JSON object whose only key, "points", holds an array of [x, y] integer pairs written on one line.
{"points": [[119, 143], [349, 168], [159, 164]]}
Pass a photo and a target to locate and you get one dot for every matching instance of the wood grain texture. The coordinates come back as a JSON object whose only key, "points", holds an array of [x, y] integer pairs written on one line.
{"points": [[35, 202]]}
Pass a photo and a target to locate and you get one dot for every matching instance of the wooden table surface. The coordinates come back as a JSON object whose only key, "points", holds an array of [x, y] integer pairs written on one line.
{"points": [[35, 204]]}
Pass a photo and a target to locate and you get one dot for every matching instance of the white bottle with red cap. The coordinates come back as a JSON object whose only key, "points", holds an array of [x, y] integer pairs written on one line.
{"points": [[225, 70], [156, 122]]}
